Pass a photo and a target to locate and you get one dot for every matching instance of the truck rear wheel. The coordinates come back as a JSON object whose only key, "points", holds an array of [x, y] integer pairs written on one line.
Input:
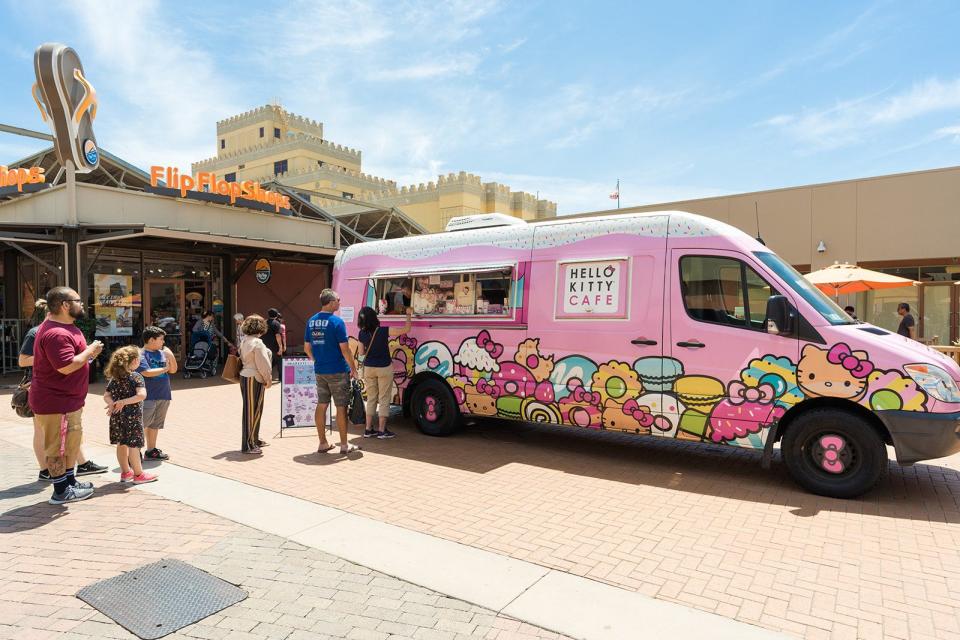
{"points": [[834, 453], [434, 408]]}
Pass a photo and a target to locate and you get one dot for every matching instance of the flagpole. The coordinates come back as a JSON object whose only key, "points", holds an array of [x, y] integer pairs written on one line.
{"points": [[618, 193]]}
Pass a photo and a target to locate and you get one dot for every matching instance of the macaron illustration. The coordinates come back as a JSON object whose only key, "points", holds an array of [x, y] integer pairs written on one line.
{"points": [[658, 374]]}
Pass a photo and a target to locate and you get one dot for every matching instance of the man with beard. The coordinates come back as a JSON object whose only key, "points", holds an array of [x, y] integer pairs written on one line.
{"points": [[59, 390]]}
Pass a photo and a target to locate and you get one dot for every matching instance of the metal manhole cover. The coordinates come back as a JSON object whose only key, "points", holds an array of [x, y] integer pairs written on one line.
{"points": [[159, 598]]}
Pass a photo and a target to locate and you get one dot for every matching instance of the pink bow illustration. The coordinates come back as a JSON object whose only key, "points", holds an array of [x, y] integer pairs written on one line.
{"points": [[840, 354], [485, 342], [644, 417], [407, 341], [740, 393], [488, 388], [581, 395]]}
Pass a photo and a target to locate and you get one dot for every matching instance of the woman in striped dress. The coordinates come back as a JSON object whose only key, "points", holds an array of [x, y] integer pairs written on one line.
{"points": [[255, 379]]}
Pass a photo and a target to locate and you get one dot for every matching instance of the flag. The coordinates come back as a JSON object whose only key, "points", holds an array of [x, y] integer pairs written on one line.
{"points": [[616, 193]]}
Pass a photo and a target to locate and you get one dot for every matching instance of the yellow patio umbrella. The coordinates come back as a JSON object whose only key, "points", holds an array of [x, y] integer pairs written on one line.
{"points": [[849, 278]]}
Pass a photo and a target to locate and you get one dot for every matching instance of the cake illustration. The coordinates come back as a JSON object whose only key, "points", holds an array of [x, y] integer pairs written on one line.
{"points": [[658, 374], [477, 357], [543, 412], [515, 380]]}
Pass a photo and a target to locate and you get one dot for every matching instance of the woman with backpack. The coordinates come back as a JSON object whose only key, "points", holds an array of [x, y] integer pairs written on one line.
{"points": [[377, 368]]}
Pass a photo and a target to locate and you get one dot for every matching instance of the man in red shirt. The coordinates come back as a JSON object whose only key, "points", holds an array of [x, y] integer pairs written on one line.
{"points": [[58, 392]]}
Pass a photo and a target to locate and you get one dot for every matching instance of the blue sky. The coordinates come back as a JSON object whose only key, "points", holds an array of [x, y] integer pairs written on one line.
{"points": [[677, 100]]}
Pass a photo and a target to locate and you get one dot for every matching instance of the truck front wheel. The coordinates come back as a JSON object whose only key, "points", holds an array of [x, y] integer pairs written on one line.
{"points": [[834, 453]]}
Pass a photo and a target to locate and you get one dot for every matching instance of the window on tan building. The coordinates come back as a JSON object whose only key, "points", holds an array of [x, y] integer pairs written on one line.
{"points": [[261, 132], [279, 167], [276, 132], [223, 143]]}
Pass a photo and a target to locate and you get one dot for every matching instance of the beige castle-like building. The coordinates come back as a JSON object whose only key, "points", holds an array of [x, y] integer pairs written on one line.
{"points": [[270, 143]]}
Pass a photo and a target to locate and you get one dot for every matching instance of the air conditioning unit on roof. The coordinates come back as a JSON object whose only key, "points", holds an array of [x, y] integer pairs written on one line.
{"points": [[482, 221]]}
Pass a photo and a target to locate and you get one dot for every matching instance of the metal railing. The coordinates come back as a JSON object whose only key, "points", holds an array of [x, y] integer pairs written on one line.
{"points": [[11, 337]]}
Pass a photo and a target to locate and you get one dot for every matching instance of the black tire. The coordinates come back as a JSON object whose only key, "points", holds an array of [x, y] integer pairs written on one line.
{"points": [[434, 408], [834, 453]]}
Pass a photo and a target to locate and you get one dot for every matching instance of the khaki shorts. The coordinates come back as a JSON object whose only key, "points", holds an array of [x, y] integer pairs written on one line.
{"points": [[155, 413], [335, 386], [50, 424]]}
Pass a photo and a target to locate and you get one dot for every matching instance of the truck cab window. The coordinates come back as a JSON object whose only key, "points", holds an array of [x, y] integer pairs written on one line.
{"points": [[723, 290]]}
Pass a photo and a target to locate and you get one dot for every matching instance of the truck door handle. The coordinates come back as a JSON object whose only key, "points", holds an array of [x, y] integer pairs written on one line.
{"points": [[691, 344], [644, 341]]}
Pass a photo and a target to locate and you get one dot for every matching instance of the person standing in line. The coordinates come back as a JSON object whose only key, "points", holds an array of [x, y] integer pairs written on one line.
{"points": [[25, 361], [61, 373], [272, 340], [255, 378], [124, 396], [908, 326], [378, 368], [157, 364], [325, 342]]}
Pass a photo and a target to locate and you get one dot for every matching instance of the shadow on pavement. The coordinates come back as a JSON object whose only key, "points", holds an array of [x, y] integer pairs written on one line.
{"points": [[920, 492], [37, 515]]}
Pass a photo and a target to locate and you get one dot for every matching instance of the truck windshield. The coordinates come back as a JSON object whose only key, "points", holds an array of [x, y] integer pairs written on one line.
{"points": [[803, 288]]}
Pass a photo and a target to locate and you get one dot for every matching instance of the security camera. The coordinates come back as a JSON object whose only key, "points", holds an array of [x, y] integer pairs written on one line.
{"points": [[821, 248]]}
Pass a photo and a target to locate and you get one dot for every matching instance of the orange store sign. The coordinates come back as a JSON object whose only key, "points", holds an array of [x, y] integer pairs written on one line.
{"points": [[206, 181], [21, 176]]}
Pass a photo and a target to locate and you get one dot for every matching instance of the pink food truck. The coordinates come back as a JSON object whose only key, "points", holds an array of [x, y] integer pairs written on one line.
{"points": [[664, 324]]}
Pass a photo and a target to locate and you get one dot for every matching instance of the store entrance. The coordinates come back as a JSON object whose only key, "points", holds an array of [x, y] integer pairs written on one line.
{"points": [[164, 301]]}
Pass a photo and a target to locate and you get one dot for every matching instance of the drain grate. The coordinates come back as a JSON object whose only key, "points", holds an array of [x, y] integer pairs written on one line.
{"points": [[159, 598]]}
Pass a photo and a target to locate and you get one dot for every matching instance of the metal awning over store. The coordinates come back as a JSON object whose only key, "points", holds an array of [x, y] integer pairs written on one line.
{"points": [[359, 221]]}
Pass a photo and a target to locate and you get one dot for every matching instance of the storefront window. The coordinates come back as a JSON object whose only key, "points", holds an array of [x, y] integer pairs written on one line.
{"points": [[169, 290]]}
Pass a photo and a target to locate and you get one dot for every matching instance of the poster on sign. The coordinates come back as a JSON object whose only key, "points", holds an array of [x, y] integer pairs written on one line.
{"points": [[596, 289], [298, 394]]}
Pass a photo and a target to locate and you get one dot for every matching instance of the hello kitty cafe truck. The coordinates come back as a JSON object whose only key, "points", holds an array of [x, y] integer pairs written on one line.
{"points": [[666, 324]]}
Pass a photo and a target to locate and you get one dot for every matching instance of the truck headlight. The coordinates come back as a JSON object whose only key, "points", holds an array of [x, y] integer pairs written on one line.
{"points": [[936, 382]]}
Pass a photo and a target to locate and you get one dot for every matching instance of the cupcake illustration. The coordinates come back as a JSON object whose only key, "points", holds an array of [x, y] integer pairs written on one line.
{"points": [[780, 373], [745, 413], [658, 374], [477, 357], [699, 394]]}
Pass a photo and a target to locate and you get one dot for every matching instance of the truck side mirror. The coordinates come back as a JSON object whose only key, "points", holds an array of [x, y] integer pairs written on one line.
{"points": [[779, 316]]}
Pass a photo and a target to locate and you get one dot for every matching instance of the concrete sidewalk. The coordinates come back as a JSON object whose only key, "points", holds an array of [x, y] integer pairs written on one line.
{"points": [[410, 584]]}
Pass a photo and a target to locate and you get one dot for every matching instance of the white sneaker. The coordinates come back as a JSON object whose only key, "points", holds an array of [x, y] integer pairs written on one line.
{"points": [[73, 493]]}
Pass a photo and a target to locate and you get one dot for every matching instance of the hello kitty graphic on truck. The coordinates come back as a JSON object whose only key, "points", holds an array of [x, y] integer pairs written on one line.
{"points": [[666, 325]]}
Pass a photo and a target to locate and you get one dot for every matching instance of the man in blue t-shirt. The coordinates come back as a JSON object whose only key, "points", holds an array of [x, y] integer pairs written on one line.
{"points": [[325, 342]]}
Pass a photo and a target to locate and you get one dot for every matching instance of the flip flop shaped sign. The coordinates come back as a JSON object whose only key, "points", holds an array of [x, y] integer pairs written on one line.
{"points": [[68, 104]]}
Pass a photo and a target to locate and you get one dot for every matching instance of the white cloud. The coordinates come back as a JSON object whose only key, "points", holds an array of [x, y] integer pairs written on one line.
{"points": [[430, 70], [851, 121], [948, 132]]}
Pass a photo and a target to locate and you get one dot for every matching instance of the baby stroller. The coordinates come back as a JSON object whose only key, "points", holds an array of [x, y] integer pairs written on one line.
{"points": [[202, 361]]}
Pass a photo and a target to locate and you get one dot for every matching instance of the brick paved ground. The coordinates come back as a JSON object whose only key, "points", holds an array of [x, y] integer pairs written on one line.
{"points": [[295, 592], [704, 526]]}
